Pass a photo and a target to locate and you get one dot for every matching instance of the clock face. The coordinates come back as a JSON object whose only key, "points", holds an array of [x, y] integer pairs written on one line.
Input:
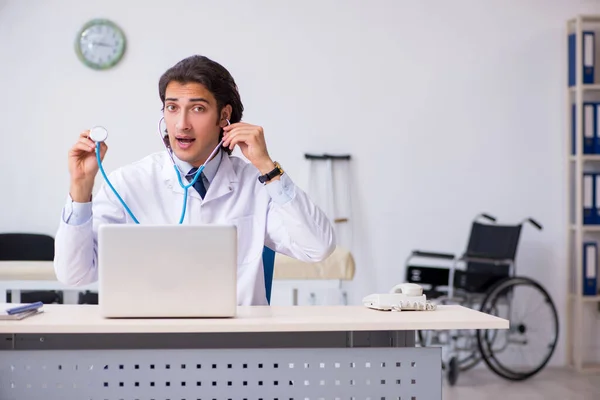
{"points": [[100, 44]]}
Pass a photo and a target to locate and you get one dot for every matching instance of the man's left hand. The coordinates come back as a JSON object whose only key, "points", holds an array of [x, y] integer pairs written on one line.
{"points": [[251, 140]]}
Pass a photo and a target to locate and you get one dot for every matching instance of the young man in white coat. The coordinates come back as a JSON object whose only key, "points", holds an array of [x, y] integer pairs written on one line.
{"points": [[201, 106]]}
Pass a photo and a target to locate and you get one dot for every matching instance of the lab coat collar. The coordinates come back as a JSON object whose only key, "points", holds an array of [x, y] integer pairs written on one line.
{"points": [[210, 170], [224, 180]]}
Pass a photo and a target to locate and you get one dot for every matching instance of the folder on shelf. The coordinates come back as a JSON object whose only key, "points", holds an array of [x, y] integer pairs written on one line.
{"points": [[590, 268], [588, 58], [573, 129], [591, 143], [589, 128], [596, 199], [596, 129], [572, 62], [589, 201]]}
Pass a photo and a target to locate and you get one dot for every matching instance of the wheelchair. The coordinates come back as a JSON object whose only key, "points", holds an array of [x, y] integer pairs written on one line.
{"points": [[484, 278]]}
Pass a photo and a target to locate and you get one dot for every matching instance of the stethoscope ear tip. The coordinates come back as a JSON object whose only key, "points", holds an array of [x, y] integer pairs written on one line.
{"points": [[98, 134]]}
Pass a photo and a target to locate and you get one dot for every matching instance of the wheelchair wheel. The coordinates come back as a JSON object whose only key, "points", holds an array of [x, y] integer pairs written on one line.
{"points": [[525, 348], [467, 351], [453, 370], [462, 344]]}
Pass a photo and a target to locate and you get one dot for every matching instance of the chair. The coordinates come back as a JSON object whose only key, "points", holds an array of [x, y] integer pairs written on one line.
{"points": [[30, 247], [268, 267]]}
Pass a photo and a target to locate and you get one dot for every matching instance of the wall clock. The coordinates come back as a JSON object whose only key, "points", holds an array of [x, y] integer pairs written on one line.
{"points": [[100, 44]]}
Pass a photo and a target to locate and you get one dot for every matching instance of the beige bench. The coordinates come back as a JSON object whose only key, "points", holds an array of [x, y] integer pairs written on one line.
{"points": [[32, 275], [340, 266], [39, 275]]}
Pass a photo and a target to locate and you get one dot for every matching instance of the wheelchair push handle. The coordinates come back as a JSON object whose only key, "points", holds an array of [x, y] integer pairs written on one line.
{"points": [[534, 223], [530, 220], [488, 217], [327, 156]]}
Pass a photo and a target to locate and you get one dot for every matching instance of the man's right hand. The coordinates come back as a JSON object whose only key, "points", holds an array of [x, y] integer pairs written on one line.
{"points": [[83, 167]]}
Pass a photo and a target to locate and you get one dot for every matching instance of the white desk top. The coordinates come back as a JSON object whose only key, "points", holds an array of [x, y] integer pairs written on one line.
{"points": [[85, 319]]}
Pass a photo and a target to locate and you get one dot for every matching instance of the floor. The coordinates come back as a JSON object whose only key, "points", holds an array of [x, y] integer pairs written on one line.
{"points": [[550, 384]]}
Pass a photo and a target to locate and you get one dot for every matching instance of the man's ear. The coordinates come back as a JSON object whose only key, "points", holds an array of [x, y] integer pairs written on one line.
{"points": [[225, 116]]}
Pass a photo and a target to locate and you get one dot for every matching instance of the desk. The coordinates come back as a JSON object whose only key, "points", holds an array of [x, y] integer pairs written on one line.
{"points": [[268, 353]]}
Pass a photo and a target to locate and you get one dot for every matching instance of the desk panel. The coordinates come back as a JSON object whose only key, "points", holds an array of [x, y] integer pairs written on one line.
{"points": [[191, 374], [247, 340]]}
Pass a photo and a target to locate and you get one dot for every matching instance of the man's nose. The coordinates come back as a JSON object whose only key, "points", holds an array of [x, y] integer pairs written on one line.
{"points": [[183, 123]]}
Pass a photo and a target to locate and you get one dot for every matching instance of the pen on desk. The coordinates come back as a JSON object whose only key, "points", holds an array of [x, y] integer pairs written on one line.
{"points": [[23, 308]]}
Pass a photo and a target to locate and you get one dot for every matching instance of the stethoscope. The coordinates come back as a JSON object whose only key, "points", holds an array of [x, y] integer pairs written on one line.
{"points": [[99, 134]]}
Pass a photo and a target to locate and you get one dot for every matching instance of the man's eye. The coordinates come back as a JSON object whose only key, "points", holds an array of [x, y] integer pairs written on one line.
{"points": [[199, 109], [170, 107]]}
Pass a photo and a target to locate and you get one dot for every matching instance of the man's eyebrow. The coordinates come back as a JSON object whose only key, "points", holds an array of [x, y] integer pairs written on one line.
{"points": [[193, 99]]}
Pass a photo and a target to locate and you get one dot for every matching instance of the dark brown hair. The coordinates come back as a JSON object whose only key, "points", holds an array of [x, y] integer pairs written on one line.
{"points": [[213, 76]]}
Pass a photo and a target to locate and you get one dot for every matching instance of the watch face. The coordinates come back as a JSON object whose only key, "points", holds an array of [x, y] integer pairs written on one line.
{"points": [[100, 44]]}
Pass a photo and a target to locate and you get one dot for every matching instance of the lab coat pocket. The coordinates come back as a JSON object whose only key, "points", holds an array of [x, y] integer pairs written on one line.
{"points": [[250, 241]]}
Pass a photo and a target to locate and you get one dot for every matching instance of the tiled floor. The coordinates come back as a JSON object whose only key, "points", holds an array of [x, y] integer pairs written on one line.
{"points": [[550, 384]]}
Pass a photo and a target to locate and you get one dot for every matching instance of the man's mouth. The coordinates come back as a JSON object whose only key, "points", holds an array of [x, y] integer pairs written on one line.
{"points": [[185, 140]]}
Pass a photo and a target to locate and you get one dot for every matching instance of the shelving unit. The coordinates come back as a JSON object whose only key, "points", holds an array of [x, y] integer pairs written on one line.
{"points": [[577, 339]]}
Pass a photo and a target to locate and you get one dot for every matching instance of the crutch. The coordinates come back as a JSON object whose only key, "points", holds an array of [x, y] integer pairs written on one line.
{"points": [[332, 204]]}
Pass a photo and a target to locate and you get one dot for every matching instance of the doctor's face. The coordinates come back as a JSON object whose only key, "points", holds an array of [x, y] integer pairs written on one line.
{"points": [[193, 121]]}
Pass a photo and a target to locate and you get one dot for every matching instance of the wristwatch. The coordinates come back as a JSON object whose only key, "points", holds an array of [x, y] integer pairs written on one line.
{"points": [[270, 175]]}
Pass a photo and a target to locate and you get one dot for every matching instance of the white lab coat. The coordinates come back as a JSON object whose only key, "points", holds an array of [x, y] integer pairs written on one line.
{"points": [[297, 228]]}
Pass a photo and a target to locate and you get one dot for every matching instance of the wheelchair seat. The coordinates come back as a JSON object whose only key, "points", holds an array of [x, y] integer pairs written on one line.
{"points": [[435, 279], [488, 258]]}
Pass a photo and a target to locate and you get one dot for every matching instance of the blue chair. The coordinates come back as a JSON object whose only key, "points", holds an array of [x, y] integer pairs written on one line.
{"points": [[269, 265]]}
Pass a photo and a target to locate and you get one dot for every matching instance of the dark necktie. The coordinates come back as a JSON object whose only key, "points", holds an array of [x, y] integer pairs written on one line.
{"points": [[199, 185]]}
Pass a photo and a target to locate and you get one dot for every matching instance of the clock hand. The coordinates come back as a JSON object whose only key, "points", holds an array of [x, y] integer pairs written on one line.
{"points": [[101, 44]]}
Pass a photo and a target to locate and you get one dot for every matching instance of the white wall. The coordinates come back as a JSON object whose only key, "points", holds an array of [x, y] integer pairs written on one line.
{"points": [[449, 108]]}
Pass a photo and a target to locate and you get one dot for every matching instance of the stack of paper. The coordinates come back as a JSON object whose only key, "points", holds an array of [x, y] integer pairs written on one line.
{"points": [[12, 311]]}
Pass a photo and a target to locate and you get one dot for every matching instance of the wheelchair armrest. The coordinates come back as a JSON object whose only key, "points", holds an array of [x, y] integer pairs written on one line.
{"points": [[430, 254], [484, 260]]}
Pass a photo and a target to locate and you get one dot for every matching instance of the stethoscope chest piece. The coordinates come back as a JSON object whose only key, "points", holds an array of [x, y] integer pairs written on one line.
{"points": [[98, 134]]}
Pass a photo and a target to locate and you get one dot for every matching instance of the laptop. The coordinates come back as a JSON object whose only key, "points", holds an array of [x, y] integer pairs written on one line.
{"points": [[167, 271]]}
